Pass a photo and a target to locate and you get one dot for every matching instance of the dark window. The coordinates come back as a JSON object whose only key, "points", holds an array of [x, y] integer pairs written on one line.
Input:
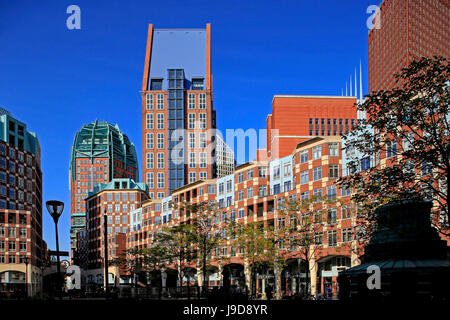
{"points": [[197, 84], [156, 84]]}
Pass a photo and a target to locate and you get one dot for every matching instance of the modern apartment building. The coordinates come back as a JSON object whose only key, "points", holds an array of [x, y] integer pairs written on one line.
{"points": [[116, 199], [257, 191], [408, 29], [178, 118], [100, 153], [20, 207]]}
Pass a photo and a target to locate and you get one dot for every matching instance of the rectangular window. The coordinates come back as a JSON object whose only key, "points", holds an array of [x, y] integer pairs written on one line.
{"points": [[191, 99], [191, 120], [347, 235], [160, 101], [203, 161], [304, 156], [150, 141], [250, 174], [192, 177], [317, 173], [332, 238], [202, 101], [191, 140], [161, 180], [160, 140], [317, 152], [161, 160], [333, 171], [202, 139], [150, 120], [304, 177], [149, 101], [160, 121], [202, 119], [150, 161], [331, 192], [333, 149], [192, 160]]}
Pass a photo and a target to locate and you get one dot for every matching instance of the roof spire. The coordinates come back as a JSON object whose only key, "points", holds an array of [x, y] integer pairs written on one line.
{"points": [[351, 86], [360, 81]]}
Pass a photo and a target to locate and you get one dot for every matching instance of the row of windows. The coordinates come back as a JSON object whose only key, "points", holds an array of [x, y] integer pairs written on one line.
{"points": [[12, 232], [12, 246], [13, 153], [320, 130], [13, 260]]}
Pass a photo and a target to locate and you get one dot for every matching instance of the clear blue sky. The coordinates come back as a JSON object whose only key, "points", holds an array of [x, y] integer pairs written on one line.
{"points": [[55, 79]]}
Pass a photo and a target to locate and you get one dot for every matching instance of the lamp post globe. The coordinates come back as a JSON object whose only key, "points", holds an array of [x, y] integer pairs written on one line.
{"points": [[55, 208]]}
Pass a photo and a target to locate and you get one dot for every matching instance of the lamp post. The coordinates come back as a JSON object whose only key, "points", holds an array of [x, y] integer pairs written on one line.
{"points": [[55, 208], [26, 260]]}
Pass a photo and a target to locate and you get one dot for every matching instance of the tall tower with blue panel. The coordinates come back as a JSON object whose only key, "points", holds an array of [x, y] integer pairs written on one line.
{"points": [[177, 109]]}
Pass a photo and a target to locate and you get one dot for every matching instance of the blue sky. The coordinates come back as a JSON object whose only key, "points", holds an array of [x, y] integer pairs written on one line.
{"points": [[55, 79]]}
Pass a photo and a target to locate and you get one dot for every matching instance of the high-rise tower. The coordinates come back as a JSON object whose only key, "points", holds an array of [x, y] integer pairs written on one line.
{"points": [[406, 30], [100, 153], [177, 110]]}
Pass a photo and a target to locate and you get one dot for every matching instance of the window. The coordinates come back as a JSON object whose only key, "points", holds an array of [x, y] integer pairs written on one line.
{"points": [[150, 141], [331, 192], [304, 156], [241, 213], [240, 195], [156, 84], [262, 172], [150, 161], [160, 121], [160, 141], [160, 180], [304, 195], [332, 215], [192, 177], [149, 101], [160, 101], [332, 238], [365, 163], [249, 174], [150, 180], [304, 177], [191, 99], [333, 171], [317, 173], [150, 121], [203, 162], [249, 192], [262, 192], [318, 238], [333, 149], [276, 172], [202, 118], [317, 152], [202, 101], [202, 177], [191, 120], [286, 170], [191, 140], [202, 139], [240, 177], [347, 235], [192, 160], [346, 211], [391, 148]]}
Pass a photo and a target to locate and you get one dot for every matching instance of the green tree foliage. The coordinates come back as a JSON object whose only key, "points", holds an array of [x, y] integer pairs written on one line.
{"points": [[411, 125]]}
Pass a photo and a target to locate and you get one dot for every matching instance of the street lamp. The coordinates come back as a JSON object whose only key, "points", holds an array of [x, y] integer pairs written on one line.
{"points": [[26, 260], [55, 208]]}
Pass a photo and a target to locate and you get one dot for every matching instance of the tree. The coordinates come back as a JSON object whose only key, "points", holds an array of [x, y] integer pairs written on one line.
{"points": [[406, 137], [178, 241], [302, 219], [251, 241], [201, 233]]}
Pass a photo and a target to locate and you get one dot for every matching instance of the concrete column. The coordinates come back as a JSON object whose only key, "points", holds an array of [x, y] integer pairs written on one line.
{"points": [[199, 277], [163, 280]]}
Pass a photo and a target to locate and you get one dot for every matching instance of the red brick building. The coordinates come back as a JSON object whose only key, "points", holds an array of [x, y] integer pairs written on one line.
{"points": [[298, 118], [409, 29]]}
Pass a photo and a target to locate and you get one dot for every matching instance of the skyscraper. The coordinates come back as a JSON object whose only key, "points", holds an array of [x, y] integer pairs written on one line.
{"points": [[100, 153], [20, 205], [178, 118], [408, 29]]}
